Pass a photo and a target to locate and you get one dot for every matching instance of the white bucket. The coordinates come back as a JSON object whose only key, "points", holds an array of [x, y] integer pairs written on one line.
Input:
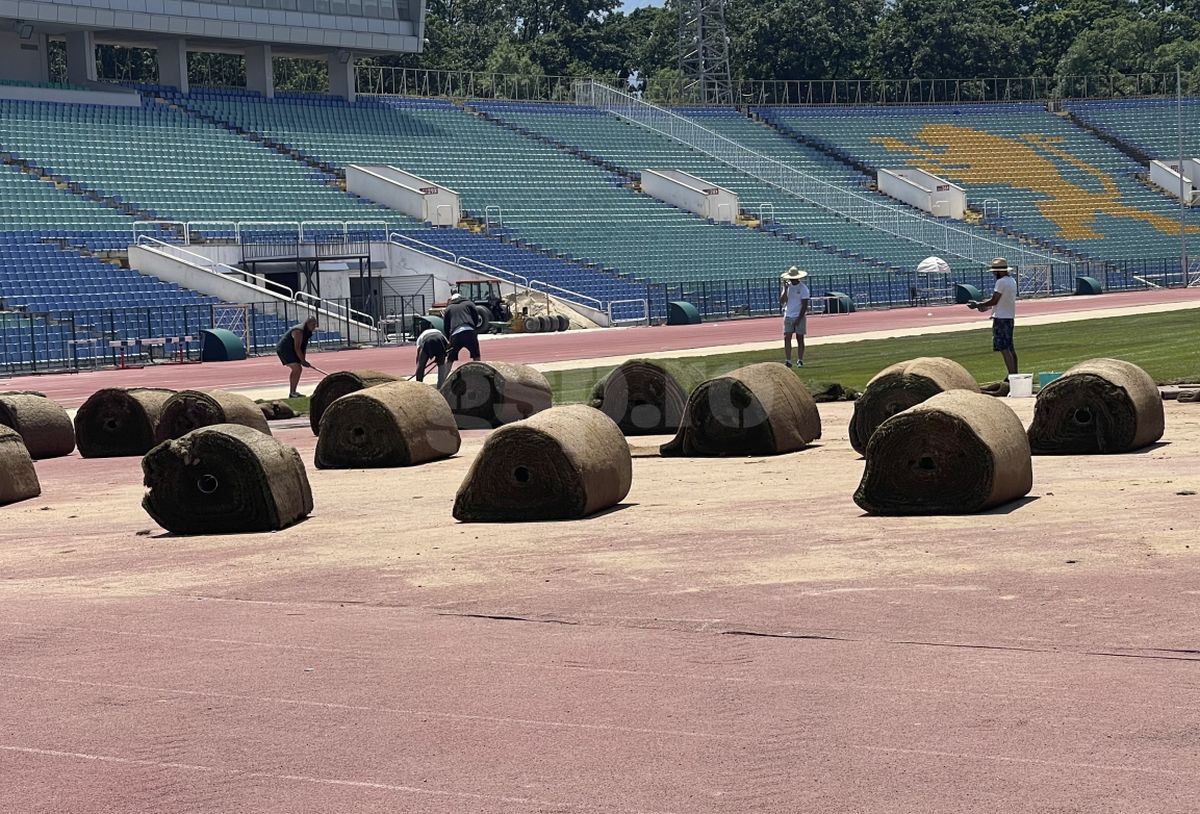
{"points": [[1020, 386]]}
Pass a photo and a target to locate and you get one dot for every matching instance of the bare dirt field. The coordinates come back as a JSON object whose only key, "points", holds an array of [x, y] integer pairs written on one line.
{"points": [[736, 637]]}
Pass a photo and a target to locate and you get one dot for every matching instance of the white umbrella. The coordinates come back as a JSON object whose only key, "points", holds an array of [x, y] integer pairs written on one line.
{"points": [[933, 265]]}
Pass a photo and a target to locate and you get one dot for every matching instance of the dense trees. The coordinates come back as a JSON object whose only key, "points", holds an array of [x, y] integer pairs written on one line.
{"points": [[786, 39]]}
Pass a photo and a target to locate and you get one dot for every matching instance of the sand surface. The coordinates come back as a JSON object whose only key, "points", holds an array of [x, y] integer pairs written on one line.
{"points": [[737, 636]]}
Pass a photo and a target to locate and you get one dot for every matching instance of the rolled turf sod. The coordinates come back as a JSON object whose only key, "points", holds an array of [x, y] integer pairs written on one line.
{"points": [[647, 397], [43, 424], [956, 453], [1098, 406], [188, 410], [562, 464], [18, 479], [484, 395], [903, 385], [225, 479], [335, 385], [760, 409], [117, 422], [395, 424]]}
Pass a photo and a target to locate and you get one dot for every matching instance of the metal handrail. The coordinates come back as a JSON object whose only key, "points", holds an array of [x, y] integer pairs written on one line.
{"points": [[567, 292], [243, 224], [487, 217], [212, 267], [260, 283], [344, 311], [194, 226], [429, 82], [139, 223], [503, 275], [432, 250], [345, 224], [463, 260]]}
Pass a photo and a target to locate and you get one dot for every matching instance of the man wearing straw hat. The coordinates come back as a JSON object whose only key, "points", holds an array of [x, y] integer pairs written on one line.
{"points": [[794, 298], [1004, 303]]}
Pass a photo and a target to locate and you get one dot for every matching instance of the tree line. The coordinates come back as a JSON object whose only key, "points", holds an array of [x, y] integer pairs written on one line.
{"points": [[787, 39]]}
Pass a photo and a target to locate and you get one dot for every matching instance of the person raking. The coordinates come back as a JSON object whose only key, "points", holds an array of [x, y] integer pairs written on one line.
{"points": [[794, 298], [293, 352], [432, 347], [1003, 303], [462, 321]]}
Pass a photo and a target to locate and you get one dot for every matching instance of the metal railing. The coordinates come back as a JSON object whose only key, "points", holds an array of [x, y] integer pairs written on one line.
{"points": [[517, 281], [390, 81], [308, 231], [38, 342], [222, 270], [759, 296], [259, 283], [643, 316], [939, 91], [842, 201], [421, 82]]}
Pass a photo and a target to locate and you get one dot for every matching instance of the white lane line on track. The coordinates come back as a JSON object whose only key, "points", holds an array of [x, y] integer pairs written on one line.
{"points": [[301, 778], [416, 713]]}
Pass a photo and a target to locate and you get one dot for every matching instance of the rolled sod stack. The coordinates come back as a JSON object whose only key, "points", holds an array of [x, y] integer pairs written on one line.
{"points": [[18, 480], [43, 424], [189, 410], [896, 388], [760, 409], [225, 479], [335, 385], [562, 464], [484, 395], [956, 453], [645, 397], [117, 422], [396, 424], [1098, 406]]}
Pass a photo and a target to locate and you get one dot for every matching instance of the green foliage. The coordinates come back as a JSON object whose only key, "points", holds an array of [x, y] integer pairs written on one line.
{"points": [[787, 39]]}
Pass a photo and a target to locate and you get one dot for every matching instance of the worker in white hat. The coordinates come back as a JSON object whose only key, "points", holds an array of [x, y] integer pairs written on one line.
{"points": [[794, 298]]}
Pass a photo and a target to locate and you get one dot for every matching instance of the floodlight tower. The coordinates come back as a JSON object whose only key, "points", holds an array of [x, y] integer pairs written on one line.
{"points": [[704, 51]]}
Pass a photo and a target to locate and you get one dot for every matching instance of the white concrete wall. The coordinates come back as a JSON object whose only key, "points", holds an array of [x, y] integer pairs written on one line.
{"points": [[1165, 174], [925, 191], [221, 21], [83, 97], [398, 189], [691, 193]]}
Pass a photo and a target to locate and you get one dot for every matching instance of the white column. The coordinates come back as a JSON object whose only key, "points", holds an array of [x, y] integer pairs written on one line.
{"points": [[260, 70], [341, 75], [81, 57], [173, 64]]}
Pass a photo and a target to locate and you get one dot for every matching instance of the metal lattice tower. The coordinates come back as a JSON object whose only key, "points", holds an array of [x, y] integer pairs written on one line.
{"points": [[704, 52]]}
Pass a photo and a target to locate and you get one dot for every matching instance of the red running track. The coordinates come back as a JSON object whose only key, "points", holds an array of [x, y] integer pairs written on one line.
{"points": [[72, 389]]}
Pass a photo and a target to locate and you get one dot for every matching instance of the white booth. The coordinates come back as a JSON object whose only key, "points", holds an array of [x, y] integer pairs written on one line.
{"points": [[414, 196], [1165, 174], [925, 191], [691, 193]]}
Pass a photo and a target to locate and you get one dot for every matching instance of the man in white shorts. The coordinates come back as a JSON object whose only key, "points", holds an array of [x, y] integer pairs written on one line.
{"points": [[794, 299]]}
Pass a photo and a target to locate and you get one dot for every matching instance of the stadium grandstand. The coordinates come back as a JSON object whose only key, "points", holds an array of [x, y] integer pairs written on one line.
{"points": [[135, 211]]}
